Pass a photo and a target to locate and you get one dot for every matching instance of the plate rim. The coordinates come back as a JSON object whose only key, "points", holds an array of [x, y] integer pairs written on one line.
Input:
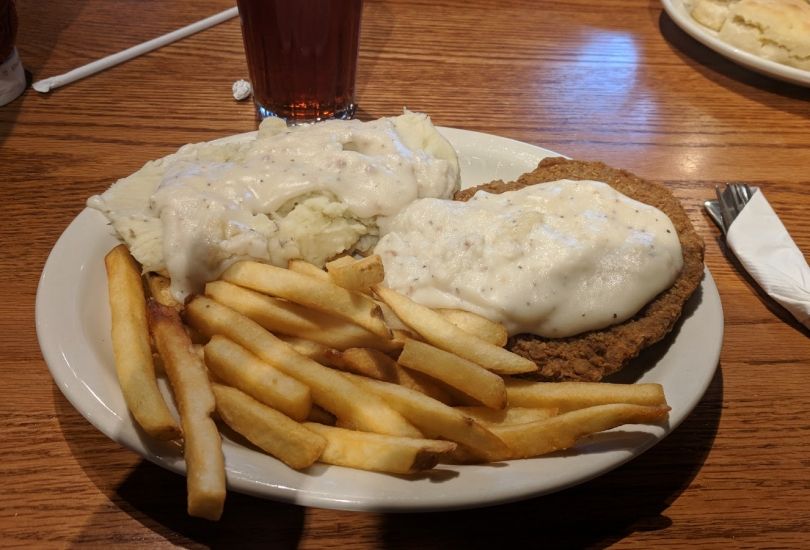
{"points": [[676, 9], [73, 387]]}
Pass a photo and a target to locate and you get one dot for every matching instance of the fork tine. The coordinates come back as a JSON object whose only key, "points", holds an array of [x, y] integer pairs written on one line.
{"points": [[731, 204], [745, 193], [725, 212], [737, 196], [731, 200]]}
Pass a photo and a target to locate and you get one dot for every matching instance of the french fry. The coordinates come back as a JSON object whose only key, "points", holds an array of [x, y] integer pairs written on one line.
{"points": [[440, 332], [339, 261], [267, 428], [306, 268], [375, 364], [134, 365], [568, 396], [351, 404], [294, 320], [359, 275], [457, 372], [202, 446], [562, 432], [434, 418], [399, 336], [237, 367], [369, 362], [160, 289], [483, 328], [510, 415], [431, 387], [391, 319], [313, 350], [311, 292], [366, 362], [321, 416], [379, 453]]}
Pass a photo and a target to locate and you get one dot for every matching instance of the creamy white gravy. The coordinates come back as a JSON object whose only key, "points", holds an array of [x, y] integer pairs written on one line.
{"points": [[554, 259], [307, 192]]}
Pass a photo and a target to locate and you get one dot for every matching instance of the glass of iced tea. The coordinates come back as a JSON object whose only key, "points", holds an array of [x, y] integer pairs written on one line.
{"points": [[302, 56]]}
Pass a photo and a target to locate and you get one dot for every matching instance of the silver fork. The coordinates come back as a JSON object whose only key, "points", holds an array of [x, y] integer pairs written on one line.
{"points": [[730, 202]]}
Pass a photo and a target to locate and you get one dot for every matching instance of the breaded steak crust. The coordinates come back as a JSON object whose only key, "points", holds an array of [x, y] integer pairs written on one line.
{"points": [[595, 354]]}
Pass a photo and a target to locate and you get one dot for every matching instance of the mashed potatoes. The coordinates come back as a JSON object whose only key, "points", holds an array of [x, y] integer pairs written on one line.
{"points": [[306, 192]]}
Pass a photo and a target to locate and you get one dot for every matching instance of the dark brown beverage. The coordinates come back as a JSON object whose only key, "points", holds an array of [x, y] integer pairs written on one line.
{"points": [[302, 56]]}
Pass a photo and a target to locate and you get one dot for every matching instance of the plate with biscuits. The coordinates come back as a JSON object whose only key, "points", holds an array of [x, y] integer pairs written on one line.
{"points": [[663, 359], [771, 37]]}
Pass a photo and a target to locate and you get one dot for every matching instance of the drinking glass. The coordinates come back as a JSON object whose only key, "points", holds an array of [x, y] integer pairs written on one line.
{"points": [[302, 57]]}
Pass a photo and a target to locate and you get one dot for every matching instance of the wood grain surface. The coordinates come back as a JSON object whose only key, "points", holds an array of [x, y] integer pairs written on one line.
{"points": [[615, 81]]}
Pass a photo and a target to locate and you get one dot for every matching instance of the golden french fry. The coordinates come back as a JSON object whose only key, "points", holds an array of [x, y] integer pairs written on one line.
{"points": [[391, 319], [317, 352], [237, 367], [267, 428], [294, 320], [306, 268], [160, 289], [376, 364], [367, 362], [568, 396], [131, 347], [357, 275], [457, 372], [379, 453], [472, 323], [440, 332], [399, 336], [351, 404], [511, 415], [434, 418], [202, 446], [429, 386], [311, 292], [339, 261], [562, 431], [321, 416]]}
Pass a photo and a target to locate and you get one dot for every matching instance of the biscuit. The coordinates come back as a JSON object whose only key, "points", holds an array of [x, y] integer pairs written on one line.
{"points": [[778, 30], [710, 13]]}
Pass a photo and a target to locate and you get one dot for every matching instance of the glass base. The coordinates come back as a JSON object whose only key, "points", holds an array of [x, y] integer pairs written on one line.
{"points": [[343, 114], [12, 78]]}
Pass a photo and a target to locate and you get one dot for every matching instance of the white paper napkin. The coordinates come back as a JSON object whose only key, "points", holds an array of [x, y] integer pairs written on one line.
{"points": [[764, 247]]}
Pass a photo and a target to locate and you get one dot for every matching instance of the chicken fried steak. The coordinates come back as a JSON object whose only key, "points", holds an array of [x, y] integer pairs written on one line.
{"points": [[596, 354]]}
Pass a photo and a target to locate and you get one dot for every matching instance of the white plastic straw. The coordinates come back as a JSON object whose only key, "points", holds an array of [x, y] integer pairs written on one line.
{"points": [[48, 84]]}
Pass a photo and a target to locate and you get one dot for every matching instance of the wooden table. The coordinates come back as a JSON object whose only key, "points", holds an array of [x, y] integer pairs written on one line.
{"points": [[615, 81]]}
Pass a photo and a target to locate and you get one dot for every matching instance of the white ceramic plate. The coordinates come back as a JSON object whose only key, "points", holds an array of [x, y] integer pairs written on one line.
{"points": [[73, 326], [678, 12]]}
